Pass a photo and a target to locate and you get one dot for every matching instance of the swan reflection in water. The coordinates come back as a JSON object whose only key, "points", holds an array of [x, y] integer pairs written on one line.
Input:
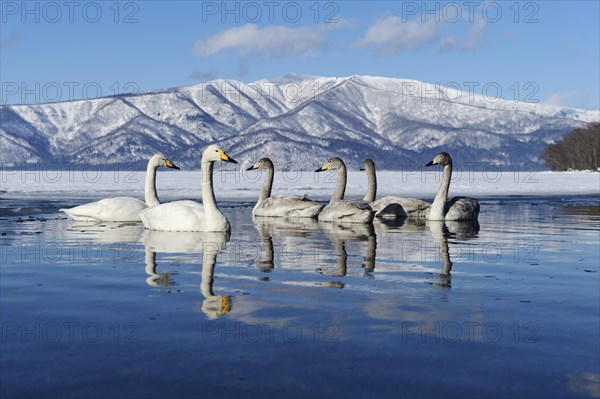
{"points": [[123, 233], [412, 233], [155, 279], [106, 232], [269, 227], [339, 234], [441, 231], [210, 244], [301, 233], [213, 305]]}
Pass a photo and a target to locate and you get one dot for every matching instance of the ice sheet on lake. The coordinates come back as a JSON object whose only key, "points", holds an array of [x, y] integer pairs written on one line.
{"points": [[242, 185]]}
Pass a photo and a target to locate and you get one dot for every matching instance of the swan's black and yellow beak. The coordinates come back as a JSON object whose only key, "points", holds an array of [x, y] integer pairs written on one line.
{"points": [[171, 164], [324, 167], [227, 158], [366, 162], [439, 158]]}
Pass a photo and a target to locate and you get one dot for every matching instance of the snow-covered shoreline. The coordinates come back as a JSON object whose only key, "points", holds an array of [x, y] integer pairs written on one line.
{"points": [[238, 184]]}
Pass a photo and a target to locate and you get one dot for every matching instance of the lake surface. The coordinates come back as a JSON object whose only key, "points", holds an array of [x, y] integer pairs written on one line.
{"points": [[505, 308]]}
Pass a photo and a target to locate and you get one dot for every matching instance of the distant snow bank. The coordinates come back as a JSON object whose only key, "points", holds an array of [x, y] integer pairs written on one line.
{"points": [[242, 185]]}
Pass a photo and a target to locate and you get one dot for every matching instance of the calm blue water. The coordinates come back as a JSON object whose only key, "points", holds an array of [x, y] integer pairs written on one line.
{"points": [[505, 308]]}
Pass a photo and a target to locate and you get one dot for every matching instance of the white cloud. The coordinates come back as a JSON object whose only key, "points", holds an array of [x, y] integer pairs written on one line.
{"points": [[392, 35], [476, 34], [561, 98], [338, 24], [449, 43], [474, 38], [272, 41], [202, 75], [13, 40]]}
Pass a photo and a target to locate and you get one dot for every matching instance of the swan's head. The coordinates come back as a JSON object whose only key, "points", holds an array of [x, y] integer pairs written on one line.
{"points": [[443, 158], [263, 163], [333, 163], [215, 153], [158, 160], [368, 164]]}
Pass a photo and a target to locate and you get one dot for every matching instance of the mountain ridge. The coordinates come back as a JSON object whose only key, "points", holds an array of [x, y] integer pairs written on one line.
{"points": [[298, 121]]}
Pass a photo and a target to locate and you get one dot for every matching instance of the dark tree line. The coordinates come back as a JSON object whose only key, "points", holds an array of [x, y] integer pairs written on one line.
{"points": [[578, 150]]}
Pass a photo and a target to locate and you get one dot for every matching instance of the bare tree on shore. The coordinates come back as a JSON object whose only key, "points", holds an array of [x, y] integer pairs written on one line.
{"points": [[578, 150]]}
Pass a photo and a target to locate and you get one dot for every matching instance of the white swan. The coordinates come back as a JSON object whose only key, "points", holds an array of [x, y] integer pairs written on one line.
{"points": [[457, 208], [338, 209], [122, 209], [391, 206], [288, 207], [190, 215]]}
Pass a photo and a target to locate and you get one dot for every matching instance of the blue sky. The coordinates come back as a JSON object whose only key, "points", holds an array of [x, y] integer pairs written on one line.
{"points": [[546, 52]]}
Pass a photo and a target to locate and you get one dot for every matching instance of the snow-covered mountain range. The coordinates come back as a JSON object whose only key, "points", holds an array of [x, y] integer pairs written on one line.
{"points": [[297, 121]]}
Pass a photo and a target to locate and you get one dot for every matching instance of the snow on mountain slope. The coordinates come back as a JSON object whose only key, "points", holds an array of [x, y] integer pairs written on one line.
{"points": [[298, 121]]}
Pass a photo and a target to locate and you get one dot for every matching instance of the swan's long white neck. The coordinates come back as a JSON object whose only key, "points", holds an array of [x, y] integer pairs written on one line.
{"points": [[267, 185], [208, 195], [371, 184], [437, 207], [150, 195], [340, 188]]}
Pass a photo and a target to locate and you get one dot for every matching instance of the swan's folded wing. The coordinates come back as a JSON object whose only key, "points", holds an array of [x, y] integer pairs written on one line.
{"points": [[362, 205], [174, 216], [191, 204], [288, 207], [398, 207], [414, 205], [462, 208], [348, 211], [118, 209]]}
